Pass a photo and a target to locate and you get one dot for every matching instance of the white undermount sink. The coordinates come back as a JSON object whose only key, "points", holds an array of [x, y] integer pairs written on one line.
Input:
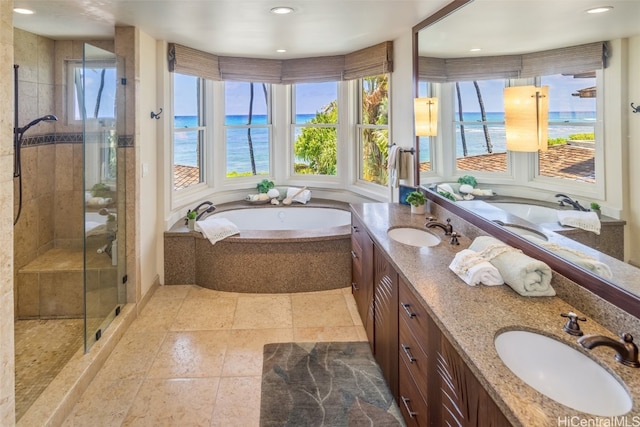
{"points": [[562, 373], [413, 236]]}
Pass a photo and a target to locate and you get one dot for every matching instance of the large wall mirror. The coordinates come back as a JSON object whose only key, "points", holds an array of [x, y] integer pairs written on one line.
{"points": [[502, 28]]}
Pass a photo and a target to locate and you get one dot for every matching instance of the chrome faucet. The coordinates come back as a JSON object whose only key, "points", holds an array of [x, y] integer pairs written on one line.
{"points": [[448, 228], [626, 350], [569, 201]]}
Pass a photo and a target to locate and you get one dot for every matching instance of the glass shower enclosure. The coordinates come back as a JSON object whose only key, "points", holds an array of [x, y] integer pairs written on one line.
{"points": [[99, 104]]}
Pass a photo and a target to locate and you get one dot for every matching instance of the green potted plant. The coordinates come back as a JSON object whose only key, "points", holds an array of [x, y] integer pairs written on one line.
{"points": [[418, 201], [596, 208], [191, 219]]}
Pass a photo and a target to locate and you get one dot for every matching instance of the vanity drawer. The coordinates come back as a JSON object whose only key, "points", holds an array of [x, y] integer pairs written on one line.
{"points": [[412, 405], [414, 357], [414, 316]]}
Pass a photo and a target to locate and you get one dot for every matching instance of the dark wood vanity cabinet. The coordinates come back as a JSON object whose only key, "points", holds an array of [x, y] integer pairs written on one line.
{"points": [[362, 275], [436, 387], [385, 304]]}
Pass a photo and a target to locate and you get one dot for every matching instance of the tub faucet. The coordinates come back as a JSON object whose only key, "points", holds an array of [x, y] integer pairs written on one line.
{"points": [[210, 208], [563, 198], [448, 228], [626, 350]]}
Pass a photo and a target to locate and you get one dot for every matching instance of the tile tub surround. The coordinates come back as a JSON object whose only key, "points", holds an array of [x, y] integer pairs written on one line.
{"points": [[261, 261], [470, 317]]}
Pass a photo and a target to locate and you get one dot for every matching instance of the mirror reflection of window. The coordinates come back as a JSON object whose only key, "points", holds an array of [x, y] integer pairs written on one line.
{"points": [[572, 121], [373, 129], [248, 128], [315, 128], [424, 142], [479, 124], [189, 130]]}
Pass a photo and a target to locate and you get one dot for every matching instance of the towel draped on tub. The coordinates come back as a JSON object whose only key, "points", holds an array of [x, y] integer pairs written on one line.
{"points": [[216, 229], [525, 275]]}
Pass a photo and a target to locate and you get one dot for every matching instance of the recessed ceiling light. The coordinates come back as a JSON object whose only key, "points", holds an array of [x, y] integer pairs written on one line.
{"points": [[281, 50], [475, 49], [600, 9], [281, 10], [23, 11]]}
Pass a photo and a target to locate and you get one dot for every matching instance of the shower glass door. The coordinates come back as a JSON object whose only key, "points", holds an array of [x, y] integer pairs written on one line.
{"points": [[104, 189]]}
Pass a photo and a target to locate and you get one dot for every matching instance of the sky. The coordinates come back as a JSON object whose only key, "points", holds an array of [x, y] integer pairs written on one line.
{"points": [[311, 97]]}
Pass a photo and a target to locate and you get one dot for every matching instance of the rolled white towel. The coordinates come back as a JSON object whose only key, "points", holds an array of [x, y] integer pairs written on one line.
{"points": [[473, 269], [303, 197], [585, 220], [525, 275], [216, 229]]}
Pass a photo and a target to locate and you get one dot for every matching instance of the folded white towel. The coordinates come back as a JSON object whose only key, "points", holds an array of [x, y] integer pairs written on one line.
{"points": [[216, 229], [525, 275], [585, 220], [575, 256], [447, 188], [473, 269], [303, 197]]}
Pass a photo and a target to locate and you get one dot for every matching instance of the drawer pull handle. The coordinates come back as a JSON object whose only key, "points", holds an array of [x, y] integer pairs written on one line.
{"points": [[406, 349], [354, 255], [406, 308], [354, 286], [406, 401]]}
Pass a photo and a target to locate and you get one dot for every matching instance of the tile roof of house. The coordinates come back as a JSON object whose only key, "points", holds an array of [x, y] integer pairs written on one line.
{"points": [[560, 161]]}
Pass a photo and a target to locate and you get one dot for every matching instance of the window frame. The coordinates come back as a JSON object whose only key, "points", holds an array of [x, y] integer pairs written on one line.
{"points": [[72, 96]]}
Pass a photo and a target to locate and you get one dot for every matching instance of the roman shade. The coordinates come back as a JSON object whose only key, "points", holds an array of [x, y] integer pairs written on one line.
{"points": [[569, 60], [366, 62]]}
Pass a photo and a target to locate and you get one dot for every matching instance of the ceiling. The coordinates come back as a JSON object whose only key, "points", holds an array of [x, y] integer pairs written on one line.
{"points": [[331, 27]]}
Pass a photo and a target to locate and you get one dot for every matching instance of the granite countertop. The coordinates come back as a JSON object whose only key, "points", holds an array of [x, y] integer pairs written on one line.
{"points": [[471, 317]]}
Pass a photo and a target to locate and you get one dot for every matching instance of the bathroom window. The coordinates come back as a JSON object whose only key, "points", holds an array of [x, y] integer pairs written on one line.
{"points": [[479, 126], [315, 128], [189, 131], [96, 80], [247, 128], [373, 129], [425, 142], [572, 128]]}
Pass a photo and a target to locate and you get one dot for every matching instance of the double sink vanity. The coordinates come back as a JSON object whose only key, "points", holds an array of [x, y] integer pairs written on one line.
{"points": [[454, 354]]}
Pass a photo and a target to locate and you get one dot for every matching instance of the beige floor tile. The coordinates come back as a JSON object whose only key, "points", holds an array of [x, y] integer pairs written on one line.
{"points": [[133, 356], [353, 309], [260, 312], [326, 333], [104, 403], [200, 292], [175, 402], [200, 314], [245, 347], [320, 310], [238, 402], [173, 291], [157, 315], [190, 354]]}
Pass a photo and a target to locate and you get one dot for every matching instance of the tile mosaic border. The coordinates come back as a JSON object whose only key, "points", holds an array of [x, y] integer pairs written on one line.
{"points": [[70, 138]]}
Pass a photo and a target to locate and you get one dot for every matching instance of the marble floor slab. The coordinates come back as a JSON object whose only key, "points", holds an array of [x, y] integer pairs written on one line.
{"points": [[194, 356]]}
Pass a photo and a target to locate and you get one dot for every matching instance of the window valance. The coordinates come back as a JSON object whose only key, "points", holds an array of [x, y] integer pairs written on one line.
{"points": [[370, 61], [569, 60]]}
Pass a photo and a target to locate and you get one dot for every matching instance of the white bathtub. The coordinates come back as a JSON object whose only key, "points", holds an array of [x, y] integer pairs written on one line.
{"points": [[286, 218], [532, 213]]}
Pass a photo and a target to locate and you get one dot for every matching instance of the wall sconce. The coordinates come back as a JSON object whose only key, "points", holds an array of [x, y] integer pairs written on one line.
{"points": [[526, 118], [425, 112]]}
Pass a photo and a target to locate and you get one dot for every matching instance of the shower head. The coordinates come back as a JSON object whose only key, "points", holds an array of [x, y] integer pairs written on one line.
{"points": [[47, 118]]}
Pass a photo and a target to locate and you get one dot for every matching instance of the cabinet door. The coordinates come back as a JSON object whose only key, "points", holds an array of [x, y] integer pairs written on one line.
{"points": [[386, 319], [463, 401], [362, 276]]}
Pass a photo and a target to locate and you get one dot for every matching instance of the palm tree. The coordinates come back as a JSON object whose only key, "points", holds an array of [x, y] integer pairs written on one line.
{"points": [[252, 157], [487, 137], [461, 119]]}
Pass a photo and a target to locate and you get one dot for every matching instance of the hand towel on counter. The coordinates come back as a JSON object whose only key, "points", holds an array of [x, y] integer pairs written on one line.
{"points": [[585, 220], [525, 275], [575, 256], [473, 269], [216, 229], [303, 197]]}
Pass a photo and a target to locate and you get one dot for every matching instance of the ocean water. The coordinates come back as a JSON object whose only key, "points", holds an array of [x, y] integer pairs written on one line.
{"points": [[562, 124], [238, 154]]}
